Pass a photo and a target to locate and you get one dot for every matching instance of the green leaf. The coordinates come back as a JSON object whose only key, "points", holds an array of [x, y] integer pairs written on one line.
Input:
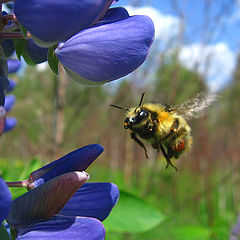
{"points": [[18, 170], [19, 45], [53, 60], [191, 232], [27, 58], [132, 214], [23, 30], [34, 164], [3, 233], [17, 192]]}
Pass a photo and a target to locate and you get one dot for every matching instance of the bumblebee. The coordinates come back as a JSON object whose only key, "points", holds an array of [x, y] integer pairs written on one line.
{"points": [[165, 127]]}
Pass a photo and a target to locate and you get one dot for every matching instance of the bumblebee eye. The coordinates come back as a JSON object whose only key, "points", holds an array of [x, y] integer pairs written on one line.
{"points": [[143, 114]]}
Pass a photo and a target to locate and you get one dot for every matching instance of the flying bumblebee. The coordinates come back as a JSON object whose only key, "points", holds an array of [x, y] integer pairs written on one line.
{"points": [[165, 127]]}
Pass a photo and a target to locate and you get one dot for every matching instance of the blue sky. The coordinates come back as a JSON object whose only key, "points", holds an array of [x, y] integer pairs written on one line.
{"points": [[211, 31], [195, 13]]}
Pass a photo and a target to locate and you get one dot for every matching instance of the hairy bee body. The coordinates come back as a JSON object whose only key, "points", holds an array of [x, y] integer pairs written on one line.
{"points": [[165, 127], [162, 126]]}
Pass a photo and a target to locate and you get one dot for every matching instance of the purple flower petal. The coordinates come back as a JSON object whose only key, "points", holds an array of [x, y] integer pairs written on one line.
{"points": [[9, 102], [13, 65], [113, 15], [5, 200], [10, 123], [46, 200], [92, 200], [107, 52], [54, 21], [78, 160], [63, 228], [12, 85]]}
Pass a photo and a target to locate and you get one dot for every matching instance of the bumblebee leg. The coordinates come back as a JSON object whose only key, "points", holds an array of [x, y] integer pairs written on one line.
{"points": [[173, 129], [167, 157], [134, 137]]}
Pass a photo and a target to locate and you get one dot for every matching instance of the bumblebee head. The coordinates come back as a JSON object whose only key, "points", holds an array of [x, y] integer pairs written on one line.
{"points": [[140, 116], [136, 115]]}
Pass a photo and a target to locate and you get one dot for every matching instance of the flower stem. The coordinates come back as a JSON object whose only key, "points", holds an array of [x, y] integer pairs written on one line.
{"points": [[18, 184], [13, 35]]}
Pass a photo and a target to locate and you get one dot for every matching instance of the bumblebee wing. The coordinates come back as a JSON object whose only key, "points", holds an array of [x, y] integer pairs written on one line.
{"points": [[195, 107]]}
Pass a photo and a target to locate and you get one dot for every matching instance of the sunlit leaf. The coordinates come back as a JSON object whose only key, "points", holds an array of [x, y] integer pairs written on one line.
{"points": [[3, 233], [27, 57], [191, 232], [23, 30], [18, 170], [52, 60], [19, 45], [132, 214]]}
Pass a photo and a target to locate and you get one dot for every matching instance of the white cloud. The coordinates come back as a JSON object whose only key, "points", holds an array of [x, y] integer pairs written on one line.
{"points": [[166, 26], [215, 62]]}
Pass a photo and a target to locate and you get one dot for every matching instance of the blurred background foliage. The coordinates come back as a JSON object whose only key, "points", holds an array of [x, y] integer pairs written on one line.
{"points": [[199, 202]]}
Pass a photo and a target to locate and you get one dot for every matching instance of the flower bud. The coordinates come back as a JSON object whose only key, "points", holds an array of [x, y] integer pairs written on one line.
{"points": [[54, 21], [107, 51], [46, 200]]}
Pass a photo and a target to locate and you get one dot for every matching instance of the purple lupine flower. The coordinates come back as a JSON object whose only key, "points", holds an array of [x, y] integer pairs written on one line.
{"points": [[77, 160], [111, 49], [61, 228], [9, 102], [113, 15], [13, 65], [92, 200], [34, 215], [10, 122], [11, 86], [46, 200], [53, 21], [5, 200]]}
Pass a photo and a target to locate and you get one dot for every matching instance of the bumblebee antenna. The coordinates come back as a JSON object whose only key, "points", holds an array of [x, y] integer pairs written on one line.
{"points": [[140, 103], [122, 108]]}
